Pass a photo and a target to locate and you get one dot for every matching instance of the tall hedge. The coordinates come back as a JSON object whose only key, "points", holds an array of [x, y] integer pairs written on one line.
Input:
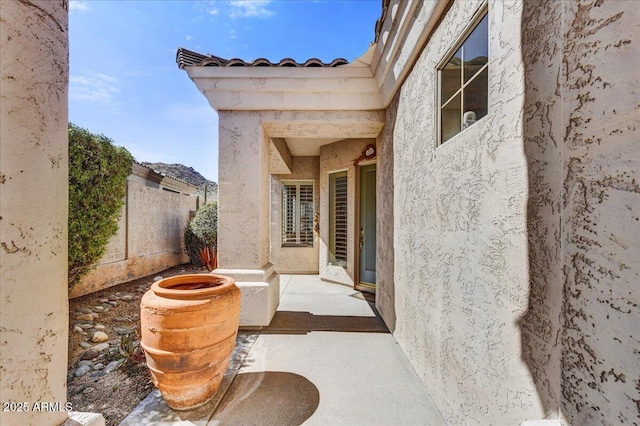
{"points": [[98, 173]]}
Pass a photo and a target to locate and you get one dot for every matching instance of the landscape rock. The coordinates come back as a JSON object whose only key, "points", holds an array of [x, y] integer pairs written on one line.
{"points": [[113, 303], [98, 308], [89, 354], [101, 347], [82, 370], [124, 331], [99, 327], [95, 316], [85, 317], [127, 298], [77, 329], [103, 300], [158, 278], [98, 366], [99, 337], [121, 319], [84, 311], [85, 345], [113, 365], [86, 326], [88, 389]]}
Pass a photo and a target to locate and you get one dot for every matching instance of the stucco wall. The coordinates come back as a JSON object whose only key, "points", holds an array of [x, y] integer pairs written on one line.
{"points": [[336, 157], [294, 260], [149, 238], [33, 208], [385, 286], [517, 241], [461, 256], [601, 212]]}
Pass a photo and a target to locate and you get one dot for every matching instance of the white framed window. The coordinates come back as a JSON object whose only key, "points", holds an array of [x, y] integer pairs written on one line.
{"points": [[463, 77], [297, 214], [338, 219]]}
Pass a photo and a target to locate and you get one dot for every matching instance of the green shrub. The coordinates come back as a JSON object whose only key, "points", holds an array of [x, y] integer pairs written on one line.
{"points": [[98, 173], [202, 232]]}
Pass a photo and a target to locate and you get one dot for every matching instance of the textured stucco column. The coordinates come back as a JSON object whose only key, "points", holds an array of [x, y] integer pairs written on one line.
{"points": [[243, 217], [33, 210]]}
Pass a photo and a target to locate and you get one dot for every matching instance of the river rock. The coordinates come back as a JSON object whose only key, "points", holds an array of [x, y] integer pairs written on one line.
{"points": [[113, 365], [85, 317], [113, 303], [82, 370], [99, 337], [127, 298], [89, 354], [85, 345], [101, 347], [98, 308], [98, 366], [124, 331], [158, 278], [86, 326], [77, 329], [99, 327], [103, 300]]}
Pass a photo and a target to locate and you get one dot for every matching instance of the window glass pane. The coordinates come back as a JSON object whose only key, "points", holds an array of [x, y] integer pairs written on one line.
{"points": [[476, 99], [297, 215], [476, 49], [338, 219], [450, 116], [289, 214], [450, 76], [306, 215]]}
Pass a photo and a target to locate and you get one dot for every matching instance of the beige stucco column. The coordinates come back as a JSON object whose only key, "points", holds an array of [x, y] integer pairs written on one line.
{"points": [[33, 210], [243, 221]]}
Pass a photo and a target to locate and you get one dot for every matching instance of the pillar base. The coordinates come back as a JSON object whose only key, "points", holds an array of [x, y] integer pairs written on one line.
{"points": [[260, 294]]}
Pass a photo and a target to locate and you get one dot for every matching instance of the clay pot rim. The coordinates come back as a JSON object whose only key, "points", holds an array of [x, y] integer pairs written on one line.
{"points": [[163, 288]]}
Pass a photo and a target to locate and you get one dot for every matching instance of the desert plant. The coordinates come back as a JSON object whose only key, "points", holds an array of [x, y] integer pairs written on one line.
{"points": [[201, 237], [98, 173]]}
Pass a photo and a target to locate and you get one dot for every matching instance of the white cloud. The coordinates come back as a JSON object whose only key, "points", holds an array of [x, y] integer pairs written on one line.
{"points": [[233, 35], [95, 88], [80, 6], [188, 37], [213, 12], [250, 9]]}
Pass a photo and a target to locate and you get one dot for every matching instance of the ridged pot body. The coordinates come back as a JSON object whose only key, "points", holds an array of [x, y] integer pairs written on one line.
{"points": [[188, 335]]}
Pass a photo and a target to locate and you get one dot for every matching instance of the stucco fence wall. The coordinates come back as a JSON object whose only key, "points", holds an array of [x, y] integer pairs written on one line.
{"points": [[149, 238]]}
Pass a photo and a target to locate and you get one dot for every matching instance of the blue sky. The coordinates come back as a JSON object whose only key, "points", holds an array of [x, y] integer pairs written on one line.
{"points": [[125, 84]]}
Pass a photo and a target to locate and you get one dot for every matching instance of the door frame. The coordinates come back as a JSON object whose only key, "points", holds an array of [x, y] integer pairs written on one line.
{"points": [[357, 285]]}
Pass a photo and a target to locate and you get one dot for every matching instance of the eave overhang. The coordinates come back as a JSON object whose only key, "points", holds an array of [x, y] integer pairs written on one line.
{"points": [[346, 87]]}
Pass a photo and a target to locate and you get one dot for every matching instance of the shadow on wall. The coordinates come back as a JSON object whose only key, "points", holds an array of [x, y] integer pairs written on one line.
{"points": [[542, 136], [268, 398], [580, 332]]}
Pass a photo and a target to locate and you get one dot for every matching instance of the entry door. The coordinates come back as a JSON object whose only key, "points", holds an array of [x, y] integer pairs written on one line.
{"points": [[368, 227]]}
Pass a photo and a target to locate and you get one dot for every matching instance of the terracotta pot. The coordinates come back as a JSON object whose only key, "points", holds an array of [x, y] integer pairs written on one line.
{"points": [[189, 326]]}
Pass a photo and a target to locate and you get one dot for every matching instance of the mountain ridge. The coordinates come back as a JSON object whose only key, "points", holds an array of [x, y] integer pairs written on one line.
{"points": [[186, 174]]}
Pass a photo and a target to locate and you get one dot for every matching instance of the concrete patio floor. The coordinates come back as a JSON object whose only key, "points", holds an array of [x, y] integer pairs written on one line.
{"points": [[326, 359]]}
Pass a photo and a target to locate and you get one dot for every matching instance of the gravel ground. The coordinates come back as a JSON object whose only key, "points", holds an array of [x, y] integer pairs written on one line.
{"points": [[107, 372]]}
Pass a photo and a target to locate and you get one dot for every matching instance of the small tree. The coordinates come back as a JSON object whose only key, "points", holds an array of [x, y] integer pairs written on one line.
{"points": [[201, 237], [98, 173]]}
